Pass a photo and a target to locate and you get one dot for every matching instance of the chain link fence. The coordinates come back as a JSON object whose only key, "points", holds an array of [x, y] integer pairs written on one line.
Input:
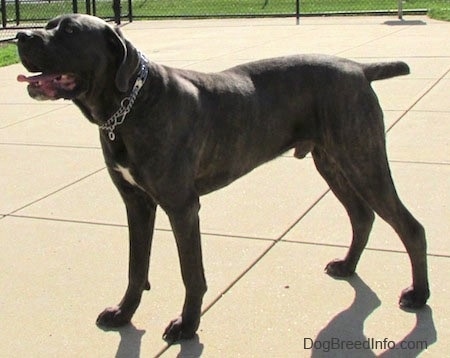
{"points": [[32, 13], [20, 14]]}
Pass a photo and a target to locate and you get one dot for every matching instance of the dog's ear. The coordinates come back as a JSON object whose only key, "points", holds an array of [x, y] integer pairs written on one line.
{"points": [[128, 59]]}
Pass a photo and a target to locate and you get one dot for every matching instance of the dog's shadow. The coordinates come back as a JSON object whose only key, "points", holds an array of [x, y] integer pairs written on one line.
{"points": [[130, 344], [422, 336], [349, 326], [191, 348], [130, 341], [346, 326]]}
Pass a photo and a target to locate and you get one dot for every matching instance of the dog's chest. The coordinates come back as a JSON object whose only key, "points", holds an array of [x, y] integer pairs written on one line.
{"points": [[126, 174]]}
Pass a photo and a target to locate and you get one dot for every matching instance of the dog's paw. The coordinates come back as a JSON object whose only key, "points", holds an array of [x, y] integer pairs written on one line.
{"points": [[177, 330], [112, 317], [338, 268], [412, 298]]}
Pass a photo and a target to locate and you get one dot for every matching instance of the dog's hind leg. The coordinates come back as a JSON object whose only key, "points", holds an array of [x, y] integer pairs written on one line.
{"points": [[360, 214], [367, 170]]}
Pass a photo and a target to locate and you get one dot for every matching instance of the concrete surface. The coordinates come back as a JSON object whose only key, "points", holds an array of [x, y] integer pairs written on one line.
{"points": [[267, 237]]}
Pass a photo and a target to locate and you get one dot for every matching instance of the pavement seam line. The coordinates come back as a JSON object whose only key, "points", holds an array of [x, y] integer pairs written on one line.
{"points": [[56, 191], [263, 254], [34, 117], [97, 223], [251, 265], [43, 145], [410, 108], [322, 244], [373, 40]]}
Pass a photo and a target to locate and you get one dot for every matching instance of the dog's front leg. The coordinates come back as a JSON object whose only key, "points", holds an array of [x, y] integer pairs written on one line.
{"points": [[141, 211], [185, 225]]}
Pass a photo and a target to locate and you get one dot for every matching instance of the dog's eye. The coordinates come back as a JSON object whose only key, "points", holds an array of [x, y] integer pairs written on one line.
{"points": [[70, 29]]}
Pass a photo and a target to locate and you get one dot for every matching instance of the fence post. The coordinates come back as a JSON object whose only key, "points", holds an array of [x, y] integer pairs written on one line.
{"points": [[17, 5], [75, 6], [400, 9], [130, 11], [297, 11], [3, 9], [117, 11]]}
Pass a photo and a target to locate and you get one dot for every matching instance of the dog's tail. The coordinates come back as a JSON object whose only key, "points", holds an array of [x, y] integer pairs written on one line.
{"points": [[383, 70]]}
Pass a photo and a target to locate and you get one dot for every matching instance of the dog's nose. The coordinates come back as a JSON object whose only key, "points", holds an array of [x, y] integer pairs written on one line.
{"points": [[25, 36]]}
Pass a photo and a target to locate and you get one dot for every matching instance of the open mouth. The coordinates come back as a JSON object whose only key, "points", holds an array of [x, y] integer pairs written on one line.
{"points": [[50, 86]]}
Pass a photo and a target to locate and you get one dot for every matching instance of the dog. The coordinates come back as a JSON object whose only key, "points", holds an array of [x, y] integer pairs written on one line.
{"points": [[171, 135]]}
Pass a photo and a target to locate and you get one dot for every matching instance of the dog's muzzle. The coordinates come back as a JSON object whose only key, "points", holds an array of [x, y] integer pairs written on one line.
{"points": [[48, 84]]}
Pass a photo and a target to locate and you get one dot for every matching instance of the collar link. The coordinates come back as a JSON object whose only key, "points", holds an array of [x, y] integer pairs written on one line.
{"points": [[127, 103]]}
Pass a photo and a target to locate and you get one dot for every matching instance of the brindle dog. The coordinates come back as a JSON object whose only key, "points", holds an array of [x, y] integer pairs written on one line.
{"points": [[171, 135]]}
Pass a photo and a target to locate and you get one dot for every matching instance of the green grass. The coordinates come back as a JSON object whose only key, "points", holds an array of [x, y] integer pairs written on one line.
{"points": [[8, 54], [40, 11], [160, 8], [440, 14]]}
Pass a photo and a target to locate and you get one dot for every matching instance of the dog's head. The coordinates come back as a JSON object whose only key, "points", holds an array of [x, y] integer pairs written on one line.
{"points": [[76, 55]]}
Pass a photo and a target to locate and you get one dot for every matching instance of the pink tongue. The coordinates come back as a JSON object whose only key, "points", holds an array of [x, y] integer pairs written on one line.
{"points": [[37, 78]]}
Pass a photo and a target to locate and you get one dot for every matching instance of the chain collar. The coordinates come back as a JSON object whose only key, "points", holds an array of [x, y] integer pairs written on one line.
{"points": [[127, 103]]}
